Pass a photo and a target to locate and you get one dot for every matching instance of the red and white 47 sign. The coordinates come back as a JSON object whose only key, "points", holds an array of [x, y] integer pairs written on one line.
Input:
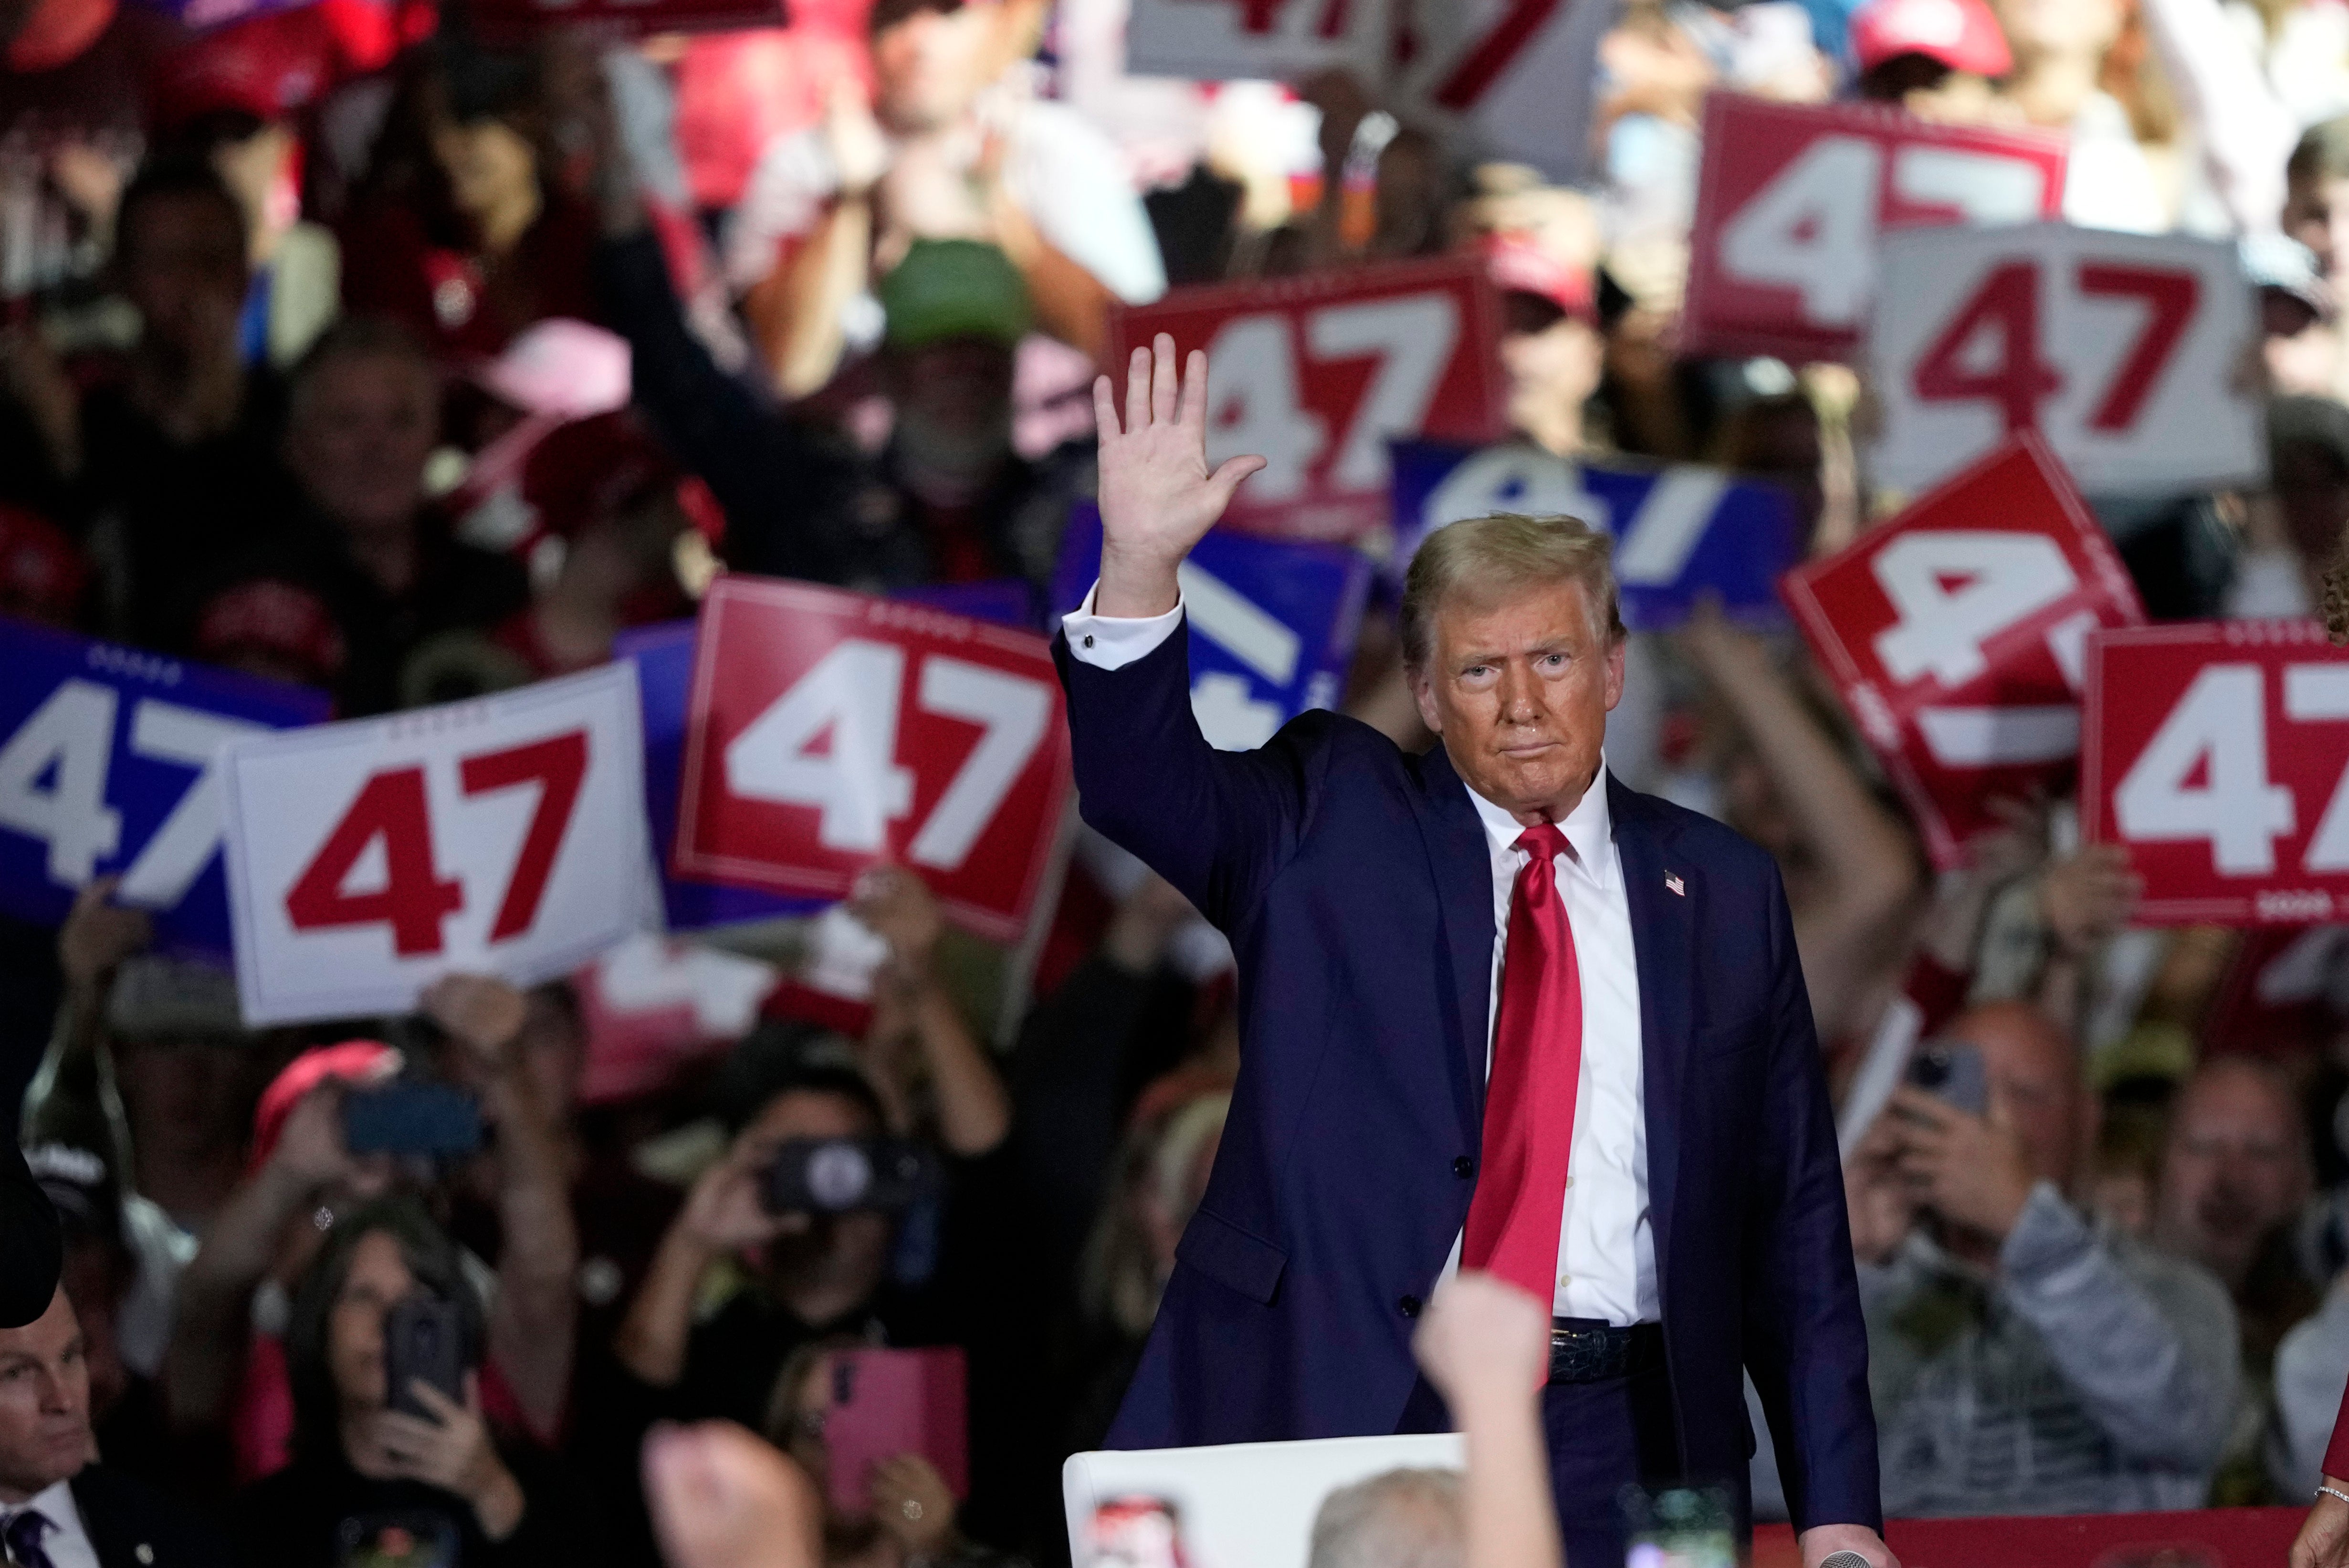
{"points": [[1955, 634], [502, 836], [1793, 200], [2123, 350], [830, 731], [2218, 753], [1316, 372]]}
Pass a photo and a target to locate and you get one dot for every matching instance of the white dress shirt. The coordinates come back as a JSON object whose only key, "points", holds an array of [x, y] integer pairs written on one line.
{"points": [[67, 1541], [1606, 1249]]}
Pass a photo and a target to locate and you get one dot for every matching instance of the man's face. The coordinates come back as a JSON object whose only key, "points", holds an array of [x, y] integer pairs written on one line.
{"points": [[1520, 689], [2035, 1087], [928, 68], [44, 1436], [362, 427], [378, 1280], [2316, 214], [183, 267], [2234, 1169], [1552, 362]]}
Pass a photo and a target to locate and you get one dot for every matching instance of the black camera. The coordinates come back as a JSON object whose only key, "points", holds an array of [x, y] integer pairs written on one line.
{"points": [[836, 1175]]}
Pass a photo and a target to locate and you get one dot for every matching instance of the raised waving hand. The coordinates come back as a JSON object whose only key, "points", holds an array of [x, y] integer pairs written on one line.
{"points": [[1157, 496]]}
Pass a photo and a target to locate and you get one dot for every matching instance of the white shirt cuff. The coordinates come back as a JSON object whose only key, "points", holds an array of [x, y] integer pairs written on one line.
{"points": [[1114, 642]]}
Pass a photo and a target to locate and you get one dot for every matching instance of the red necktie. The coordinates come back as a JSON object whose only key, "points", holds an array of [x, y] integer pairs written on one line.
{"points": [[1529, 1096]]}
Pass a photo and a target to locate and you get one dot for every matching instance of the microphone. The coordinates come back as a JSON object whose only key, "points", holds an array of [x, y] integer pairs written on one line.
{"points": [[1845, 1560]]}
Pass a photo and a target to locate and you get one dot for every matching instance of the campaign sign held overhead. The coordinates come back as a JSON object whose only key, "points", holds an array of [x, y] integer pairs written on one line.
{"points": [[1272, 624], [106, 769], [1680, 532], [663, 656], [501, 836]]}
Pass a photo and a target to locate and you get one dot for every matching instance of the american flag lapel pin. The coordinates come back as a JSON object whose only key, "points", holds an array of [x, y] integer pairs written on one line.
{"points": [[1672, 880]]}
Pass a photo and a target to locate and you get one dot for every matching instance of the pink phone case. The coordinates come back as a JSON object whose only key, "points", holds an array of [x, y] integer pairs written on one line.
{"points": [[890, 1402]]}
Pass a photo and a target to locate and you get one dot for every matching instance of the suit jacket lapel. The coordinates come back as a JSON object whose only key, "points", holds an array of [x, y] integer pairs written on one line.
{"points": [[1662, 923], [1462, 864]]}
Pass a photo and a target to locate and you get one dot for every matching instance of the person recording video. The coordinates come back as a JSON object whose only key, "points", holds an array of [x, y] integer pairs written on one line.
{"points": [[2022, 1360], [393, 1461]]}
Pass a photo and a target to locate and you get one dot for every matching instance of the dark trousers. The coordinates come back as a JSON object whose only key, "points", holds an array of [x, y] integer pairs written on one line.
{"points": [[1603, 1436]]}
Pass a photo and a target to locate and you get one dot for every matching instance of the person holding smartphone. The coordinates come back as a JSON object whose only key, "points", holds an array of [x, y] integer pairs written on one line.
{"points": [[394, 1461], [2020, 1359]]}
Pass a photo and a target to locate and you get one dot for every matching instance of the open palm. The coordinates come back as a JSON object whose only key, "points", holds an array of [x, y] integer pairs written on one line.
{"points": [[1157, 496]]}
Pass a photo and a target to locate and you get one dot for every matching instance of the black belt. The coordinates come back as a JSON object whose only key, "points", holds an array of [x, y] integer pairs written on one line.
{"points": [[1584, 1350]]}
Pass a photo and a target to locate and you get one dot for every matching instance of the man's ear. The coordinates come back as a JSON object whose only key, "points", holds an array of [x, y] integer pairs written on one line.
{"points": [[1422, 692], [1615, 671]]}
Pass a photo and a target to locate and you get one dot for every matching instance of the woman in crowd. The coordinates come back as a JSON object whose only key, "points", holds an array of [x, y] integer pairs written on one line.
{"points": [[365, 1473]]}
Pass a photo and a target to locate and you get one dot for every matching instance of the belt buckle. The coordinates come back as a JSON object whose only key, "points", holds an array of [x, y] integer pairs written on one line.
{"points": [[1577, 1355]]}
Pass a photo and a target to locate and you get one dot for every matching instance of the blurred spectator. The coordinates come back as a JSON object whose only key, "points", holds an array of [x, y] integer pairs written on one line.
{"points": [[950, 149], [60, 1504], [2059, 49], [947, 498], [169, 464], [911, 1519], [1552, 352], [365, 572], [801, 1276], [1786, 783], [2020, 1361], [230, 98], [2234, 1179], [1485, 1347], [932, 1076], [104, 1278], [1400, 1516], [466, 237], [2291, 534], [2299, 315], [1160, 1176], [1936, 58], [364, 1468], [227, 1370]]}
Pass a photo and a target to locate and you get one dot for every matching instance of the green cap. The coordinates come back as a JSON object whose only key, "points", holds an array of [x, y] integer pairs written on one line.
{"points": [[954, 288]]}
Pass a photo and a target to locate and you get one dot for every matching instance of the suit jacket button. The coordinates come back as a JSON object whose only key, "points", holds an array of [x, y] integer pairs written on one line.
{"points": [[1408, 1306], [1464, 1166]]}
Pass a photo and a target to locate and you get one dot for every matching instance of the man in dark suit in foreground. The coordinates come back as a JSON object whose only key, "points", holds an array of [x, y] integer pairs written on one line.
{"points": [[1499, 1013], [60, 1508]]}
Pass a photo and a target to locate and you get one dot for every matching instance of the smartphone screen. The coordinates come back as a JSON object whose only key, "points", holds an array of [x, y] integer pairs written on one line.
{"points": [[423, 1341]]}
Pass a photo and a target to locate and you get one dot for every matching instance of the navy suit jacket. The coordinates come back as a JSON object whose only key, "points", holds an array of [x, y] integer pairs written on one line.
{"points": [[1355, 883]]}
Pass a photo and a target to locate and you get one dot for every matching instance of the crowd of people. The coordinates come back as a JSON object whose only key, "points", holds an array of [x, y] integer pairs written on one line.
{"points": [[346, 349]]}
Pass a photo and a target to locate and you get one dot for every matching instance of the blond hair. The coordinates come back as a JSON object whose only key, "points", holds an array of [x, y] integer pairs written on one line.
{"points": [[1499, 554]]}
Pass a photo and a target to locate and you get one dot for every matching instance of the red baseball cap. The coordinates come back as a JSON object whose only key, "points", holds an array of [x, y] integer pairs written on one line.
{"points": [[55, 32], [353, 1061], [1960, 34], [1517, 264], [282, 622]]}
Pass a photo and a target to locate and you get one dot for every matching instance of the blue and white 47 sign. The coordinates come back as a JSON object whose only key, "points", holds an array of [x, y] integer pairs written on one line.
{"points": [[1679, 531], [1272, 624], [106, 769]]}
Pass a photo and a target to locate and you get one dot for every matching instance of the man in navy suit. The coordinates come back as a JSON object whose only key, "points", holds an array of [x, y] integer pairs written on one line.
{"points": [[1498, 1013]]}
